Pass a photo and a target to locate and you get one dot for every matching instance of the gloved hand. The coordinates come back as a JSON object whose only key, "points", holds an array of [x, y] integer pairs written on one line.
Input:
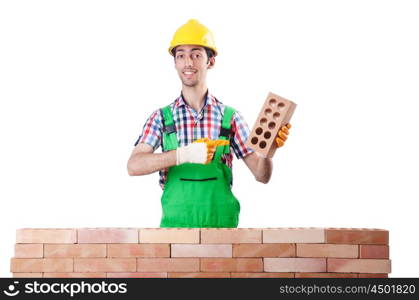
{"points": [[282, 135], [200, 151]]}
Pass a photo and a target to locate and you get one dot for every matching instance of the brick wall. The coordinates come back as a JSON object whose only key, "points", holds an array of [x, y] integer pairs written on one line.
{"points": [[194, 252]]}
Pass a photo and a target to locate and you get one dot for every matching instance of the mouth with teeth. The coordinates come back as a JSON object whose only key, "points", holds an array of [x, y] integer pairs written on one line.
{"points": [[189, 73]]}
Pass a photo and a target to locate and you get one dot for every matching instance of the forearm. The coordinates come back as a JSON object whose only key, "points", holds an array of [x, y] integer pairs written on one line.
{"points": [[264, 169], [147, 163]]}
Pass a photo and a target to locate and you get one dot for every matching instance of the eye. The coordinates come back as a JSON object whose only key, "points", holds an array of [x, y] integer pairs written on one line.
{"points": [[179, 56]]}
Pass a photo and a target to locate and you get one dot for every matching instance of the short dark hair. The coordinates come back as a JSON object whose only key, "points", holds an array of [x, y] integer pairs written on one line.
{"points": [[210, 52]]}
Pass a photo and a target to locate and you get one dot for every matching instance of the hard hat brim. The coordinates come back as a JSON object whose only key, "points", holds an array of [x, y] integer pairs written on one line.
{"points": [[204, 46]]}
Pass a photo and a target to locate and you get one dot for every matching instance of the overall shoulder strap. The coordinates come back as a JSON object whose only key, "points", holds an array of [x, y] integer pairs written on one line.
{"points": [[169, 130], [224, 133]]}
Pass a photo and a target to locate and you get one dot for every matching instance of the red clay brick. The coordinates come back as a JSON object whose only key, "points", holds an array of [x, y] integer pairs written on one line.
{"points": [[139, 250], [275, 121], [264, 250], [357, 236], [104, 265], [199, 275], [75, 250], [75, 275], [230, 235], [326, 275], [364, 275], [293, 235], [27, 275], [262, 275], [169, 235], [107, 235], [294, 264], [373, 251], [186, 250], [29, 250], [167, 264], [358, 265], [50, 236], [137, 275], [41, 265], [231, 265], [327, 250]]}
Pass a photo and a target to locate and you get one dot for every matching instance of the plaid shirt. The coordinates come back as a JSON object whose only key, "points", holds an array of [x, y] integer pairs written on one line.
{"points": [[191, 126]]}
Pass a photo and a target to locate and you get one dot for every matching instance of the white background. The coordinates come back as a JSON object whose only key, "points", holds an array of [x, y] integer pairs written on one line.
{"points": [[79, 78]]}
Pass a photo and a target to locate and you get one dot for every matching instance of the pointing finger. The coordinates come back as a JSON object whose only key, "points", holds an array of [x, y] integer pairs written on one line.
{"points": [[201, 140], [217, 143]]}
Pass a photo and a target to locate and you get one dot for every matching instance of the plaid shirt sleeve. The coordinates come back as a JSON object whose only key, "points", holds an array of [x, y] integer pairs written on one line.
{"points": [[152, 131], [240, 132]]}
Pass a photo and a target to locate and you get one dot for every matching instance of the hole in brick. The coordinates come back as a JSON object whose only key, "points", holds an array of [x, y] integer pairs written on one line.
{"points": [[262, 144], [272, 102], [254, 140], [267, 135], [281, 105], [271, 125], [268, 112], [276, 116], [263, 121], [259, 131]]}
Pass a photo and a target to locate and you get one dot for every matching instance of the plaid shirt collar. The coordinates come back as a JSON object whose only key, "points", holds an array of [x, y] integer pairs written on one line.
{"points": [[209, 100]]}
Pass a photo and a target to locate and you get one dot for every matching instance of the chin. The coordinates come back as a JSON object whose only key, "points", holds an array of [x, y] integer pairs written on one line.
{"points": [[190, 84]]}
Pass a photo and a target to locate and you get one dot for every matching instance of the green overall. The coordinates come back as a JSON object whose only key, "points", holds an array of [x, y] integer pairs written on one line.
{"points": [[198, 195]]}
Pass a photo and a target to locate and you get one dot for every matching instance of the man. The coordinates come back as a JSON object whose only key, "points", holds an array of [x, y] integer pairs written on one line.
{"points": [[198, 134]]}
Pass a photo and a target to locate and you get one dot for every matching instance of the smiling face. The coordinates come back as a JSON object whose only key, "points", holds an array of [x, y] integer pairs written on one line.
{"points": [[192, 64]]}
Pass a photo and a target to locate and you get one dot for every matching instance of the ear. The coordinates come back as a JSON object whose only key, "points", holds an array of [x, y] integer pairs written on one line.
{"points": [[211, 62]]}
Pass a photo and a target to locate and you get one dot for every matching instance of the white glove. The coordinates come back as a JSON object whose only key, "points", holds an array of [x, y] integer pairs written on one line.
{"points": [[200, 152], [192, 153]]}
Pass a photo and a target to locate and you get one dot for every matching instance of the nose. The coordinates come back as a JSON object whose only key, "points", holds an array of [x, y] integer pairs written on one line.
{"points": [[188, 61]]}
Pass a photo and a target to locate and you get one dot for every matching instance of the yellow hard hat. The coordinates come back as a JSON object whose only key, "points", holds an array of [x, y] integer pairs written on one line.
{"points": [[193, 33]]}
